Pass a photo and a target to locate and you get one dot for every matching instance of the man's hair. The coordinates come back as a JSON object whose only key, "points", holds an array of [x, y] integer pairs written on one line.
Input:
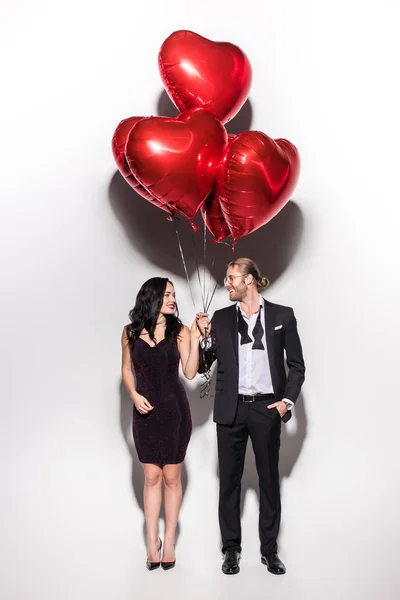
{"points": [[249, 267]]}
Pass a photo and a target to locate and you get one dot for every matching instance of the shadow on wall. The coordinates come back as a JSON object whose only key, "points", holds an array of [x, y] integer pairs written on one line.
{"points": [[292, 443], [241, 122], [153, 236]]}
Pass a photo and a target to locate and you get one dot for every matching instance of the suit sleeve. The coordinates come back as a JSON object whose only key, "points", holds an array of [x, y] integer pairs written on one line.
{"points": [[294, 359], [208, 353]]}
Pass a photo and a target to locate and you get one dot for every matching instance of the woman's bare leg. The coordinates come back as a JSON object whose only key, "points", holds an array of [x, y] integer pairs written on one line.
{"points": [[172, 504], [152, 495]]}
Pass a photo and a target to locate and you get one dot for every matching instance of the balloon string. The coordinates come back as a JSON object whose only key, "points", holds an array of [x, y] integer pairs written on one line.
{"points": [[208, 300], [184, 262], [207, 297], [211, 299], [205, 259], [198, 271], [206, 386]]}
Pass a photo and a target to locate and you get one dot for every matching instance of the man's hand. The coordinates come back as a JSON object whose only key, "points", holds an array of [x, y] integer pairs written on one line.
{"points": [[203, 323], [280, 406]]}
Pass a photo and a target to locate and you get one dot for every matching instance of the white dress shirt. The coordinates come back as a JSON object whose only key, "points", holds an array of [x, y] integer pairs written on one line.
{"points": [[254, 370]]}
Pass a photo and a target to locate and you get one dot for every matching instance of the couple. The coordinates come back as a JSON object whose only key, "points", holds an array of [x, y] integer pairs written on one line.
{"points": [[253, 395]]}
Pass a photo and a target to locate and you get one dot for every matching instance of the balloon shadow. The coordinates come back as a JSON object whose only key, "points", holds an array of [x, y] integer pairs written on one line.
{"points": [[165, 106], [152, 235], [241, 122]]}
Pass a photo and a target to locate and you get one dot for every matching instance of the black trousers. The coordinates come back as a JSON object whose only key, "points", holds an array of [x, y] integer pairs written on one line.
{"points": [[263, 425]]}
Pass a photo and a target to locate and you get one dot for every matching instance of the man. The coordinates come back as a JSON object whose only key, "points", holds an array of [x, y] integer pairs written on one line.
{"points": [[253, 395]]}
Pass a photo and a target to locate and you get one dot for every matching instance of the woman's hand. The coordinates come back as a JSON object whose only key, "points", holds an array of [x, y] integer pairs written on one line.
{"points": [[203, 324], [194, 330], [142, 404]]}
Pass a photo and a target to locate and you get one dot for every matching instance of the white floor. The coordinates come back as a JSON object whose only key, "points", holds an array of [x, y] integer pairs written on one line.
{"points": [[109, 564], [98, 572], [74, 525]]}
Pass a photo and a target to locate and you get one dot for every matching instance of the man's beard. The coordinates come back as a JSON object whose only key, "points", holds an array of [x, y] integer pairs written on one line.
{"points": [[235, 296]]}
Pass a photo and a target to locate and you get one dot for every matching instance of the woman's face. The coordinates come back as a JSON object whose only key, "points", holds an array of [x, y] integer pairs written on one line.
{"points": [[169, 301]]}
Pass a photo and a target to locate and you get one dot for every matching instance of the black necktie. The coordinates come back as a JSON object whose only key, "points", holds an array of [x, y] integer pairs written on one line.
{"points": [[258, 332]]}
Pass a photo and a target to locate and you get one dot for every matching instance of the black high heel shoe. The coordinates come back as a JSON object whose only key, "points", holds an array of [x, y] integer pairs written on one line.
{"points": [[154, 565], [168, 565]]}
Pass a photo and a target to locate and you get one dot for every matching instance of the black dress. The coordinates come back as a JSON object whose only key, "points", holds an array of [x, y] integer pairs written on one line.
{"points": [[162, 435]]}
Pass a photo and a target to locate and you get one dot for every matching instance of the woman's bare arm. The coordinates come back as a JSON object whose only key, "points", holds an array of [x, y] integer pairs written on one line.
{"points": [[141, 403], [188, 346]]}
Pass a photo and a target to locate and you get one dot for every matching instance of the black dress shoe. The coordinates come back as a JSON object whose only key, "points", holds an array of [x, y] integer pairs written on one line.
{"points": [[230, 566], [274, 564], [154, 565]]}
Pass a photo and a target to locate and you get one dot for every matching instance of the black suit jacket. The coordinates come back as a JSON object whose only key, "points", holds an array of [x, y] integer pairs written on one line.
{"points": [[224, 349]]}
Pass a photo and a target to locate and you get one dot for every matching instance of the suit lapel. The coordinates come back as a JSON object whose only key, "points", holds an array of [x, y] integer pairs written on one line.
{"points": [[233, 328], [269, 330]]}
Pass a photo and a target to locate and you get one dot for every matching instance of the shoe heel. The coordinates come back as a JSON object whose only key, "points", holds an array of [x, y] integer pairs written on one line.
{"points": [[151, 566], [168, 565]]}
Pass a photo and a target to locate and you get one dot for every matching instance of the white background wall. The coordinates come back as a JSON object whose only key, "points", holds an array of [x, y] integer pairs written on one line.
{"points": [[77, 243]]}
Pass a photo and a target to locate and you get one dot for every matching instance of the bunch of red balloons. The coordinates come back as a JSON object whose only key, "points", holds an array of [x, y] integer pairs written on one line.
{"points": [[189, 163]]}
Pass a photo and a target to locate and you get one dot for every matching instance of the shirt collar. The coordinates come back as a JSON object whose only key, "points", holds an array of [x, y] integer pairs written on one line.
{"points": [[261, 305]]}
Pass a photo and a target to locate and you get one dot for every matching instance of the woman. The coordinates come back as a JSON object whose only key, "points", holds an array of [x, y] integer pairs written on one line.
{"points": [[154, 343]]}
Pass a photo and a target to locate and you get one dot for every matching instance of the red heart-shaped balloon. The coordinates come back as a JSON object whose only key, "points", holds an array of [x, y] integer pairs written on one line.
{"points": [[176, 159], [197, 72], [255, 179], [118, 148]]}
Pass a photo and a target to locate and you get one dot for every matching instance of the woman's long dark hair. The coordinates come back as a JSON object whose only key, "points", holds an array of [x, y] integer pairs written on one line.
{"points": [[146, 311]]}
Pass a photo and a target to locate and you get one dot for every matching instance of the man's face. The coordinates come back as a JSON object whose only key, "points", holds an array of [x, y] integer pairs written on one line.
{"points": [[235, 284]]}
